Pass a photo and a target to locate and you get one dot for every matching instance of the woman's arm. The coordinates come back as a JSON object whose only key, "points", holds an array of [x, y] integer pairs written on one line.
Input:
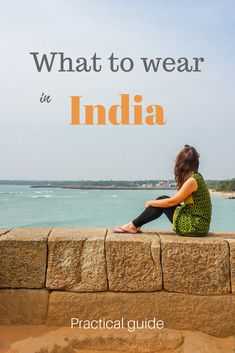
{"points": [[188, 187]]}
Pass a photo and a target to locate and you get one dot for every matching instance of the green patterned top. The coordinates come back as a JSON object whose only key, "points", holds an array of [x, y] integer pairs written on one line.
{"points": [[193, 217]]}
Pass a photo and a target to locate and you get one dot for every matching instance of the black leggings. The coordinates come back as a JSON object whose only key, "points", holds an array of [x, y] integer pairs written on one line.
{"points": [[151, 213]]}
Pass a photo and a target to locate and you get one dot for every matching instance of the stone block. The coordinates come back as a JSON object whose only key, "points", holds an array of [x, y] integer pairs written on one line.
{"points": [[230, 238], [231, 242], [23, 258], [23, 306], [195, 265], [211, 314], [76, 260], [133, 262]]}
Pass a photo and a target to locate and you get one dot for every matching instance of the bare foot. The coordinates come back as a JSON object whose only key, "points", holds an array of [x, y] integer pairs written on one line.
{"points": [[129, 226]]}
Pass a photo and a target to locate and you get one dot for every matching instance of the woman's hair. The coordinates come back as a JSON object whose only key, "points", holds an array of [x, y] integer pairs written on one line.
{"points": [[187, 162]]}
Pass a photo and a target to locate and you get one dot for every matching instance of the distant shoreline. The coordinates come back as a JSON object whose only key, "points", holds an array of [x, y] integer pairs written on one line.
{"points": [[104, 187], [87, 187], [227, 194]]}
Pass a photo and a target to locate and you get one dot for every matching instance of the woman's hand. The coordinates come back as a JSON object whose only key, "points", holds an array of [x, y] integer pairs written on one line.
{"points": [[149, 203]]}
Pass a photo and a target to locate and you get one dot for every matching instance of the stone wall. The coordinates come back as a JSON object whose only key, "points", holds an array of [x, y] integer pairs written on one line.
{"points": [[48, 276]]}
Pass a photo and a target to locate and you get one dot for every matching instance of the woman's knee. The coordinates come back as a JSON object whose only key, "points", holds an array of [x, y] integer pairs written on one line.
{"points": [[162, 197]]}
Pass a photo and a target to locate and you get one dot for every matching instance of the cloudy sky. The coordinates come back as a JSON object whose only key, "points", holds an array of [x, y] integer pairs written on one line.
{"points": [[38, 141]]}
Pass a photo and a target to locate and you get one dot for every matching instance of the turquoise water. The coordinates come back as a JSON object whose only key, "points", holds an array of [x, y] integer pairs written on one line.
{"points": [[22, 206]]}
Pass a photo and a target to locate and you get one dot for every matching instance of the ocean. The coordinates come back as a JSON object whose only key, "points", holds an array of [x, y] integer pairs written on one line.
{"points": [[22, 206]]}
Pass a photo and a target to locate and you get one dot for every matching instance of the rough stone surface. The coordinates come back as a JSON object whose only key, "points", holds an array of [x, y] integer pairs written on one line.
{"points": [[23, 257], [23, 306], [133, 262], [230, 238], [195, 265], [66, 339], [211, 314], [232, 263], [231, 242], [76, 260]]}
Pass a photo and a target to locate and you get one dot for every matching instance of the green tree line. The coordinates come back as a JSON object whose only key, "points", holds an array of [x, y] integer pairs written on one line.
{"points": [[224, 185]]}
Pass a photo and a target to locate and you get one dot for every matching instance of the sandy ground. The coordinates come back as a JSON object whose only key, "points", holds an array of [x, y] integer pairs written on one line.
{"points": [[11, 334], [222, 193]]}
